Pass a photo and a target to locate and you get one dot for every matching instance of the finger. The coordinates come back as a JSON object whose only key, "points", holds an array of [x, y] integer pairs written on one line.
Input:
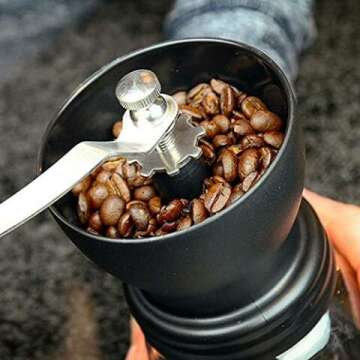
{"points": [[342, 224], [138, 348], [137, 336], [137, 353], [352, 287]]}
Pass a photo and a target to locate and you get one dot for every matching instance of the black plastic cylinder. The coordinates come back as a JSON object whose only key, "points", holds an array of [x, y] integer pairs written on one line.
{"points": [[246, 282], [267, 326]]}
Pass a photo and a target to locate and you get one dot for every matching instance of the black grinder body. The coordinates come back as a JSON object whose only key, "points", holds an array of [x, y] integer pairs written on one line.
{"points": [[246, 283]]}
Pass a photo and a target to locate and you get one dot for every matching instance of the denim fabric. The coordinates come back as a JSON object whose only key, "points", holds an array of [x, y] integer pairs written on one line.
{"points": [[281, 28]]}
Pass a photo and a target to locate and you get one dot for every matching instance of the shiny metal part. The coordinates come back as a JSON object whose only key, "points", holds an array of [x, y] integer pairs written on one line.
{"points": [[175, 150], [138, 89], [154, 134]]}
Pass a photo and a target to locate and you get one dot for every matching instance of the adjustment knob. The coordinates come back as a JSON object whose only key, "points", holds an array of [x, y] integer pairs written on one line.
{"points": [[138, 89]]}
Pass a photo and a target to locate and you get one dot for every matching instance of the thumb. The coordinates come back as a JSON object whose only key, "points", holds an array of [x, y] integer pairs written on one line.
{"points": [[138, 348], [342, 224]]}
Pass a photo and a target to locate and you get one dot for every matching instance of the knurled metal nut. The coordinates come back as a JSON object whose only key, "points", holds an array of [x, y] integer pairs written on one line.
{"points": [[138, 89]]}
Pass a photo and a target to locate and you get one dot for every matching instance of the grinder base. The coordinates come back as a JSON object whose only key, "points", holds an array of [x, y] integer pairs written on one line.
{"points": [[264, 328]]}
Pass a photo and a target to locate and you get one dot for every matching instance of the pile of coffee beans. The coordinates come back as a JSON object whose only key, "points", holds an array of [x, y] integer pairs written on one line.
{"points": [[242, 139]]}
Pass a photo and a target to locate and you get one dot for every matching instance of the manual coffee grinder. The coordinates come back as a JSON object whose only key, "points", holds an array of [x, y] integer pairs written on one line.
{"points": [[255, 281]]}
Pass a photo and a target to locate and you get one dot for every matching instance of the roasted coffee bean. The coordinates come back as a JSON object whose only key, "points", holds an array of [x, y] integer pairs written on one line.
{"points": [[148, 181], [221, 140], [236, 91], [139, 180], [210, 103], [229, 164], [265, 157], [169, 227], [217, 197], [265, 121], [112, 232], [220, 180], [216, 179], [116, 129], [249, 181], [218, 169], [197, 93], [82, 186], [207, 150], [152, 226], [185, 202], [129, 170], [238, 115], [97, 194], [248, 162], [210, 128], [206, 184], [171, 212], [274, 138], [92, 231], [218, 85], [155, 205], [134, 177], [103, 176], [227, 101], [237, 187], [240, 98], [83, 208], [144, 193], [251, 105], [184, 223], [222, 122], [95, 172], [186, 209], [180, 97], [236, 194], [112, 165], [118, 186], [95, 222], [111, 210], [235, 149], [242, 127], [160, 232], [252, 141], [119, 169], [192, 111], [125, 225], [135, 202], [198, 211], [140, 215], [150, 230], [139, 234]]}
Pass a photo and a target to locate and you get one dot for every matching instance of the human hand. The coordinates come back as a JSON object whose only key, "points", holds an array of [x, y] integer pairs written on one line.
{"points": [[342, 224]]}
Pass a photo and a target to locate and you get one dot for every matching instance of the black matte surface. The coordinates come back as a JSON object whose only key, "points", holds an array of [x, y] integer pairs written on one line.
{"points": [[38, 268], [188, 270], [187, 184], [266, 327]]}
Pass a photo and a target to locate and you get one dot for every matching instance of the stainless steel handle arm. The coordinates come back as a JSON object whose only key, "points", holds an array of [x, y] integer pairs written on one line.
{"points": [[154, 134], [59, 179]]}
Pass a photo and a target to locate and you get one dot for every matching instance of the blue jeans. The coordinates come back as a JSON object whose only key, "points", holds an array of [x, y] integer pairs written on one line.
{"points": [[281, 28]]}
